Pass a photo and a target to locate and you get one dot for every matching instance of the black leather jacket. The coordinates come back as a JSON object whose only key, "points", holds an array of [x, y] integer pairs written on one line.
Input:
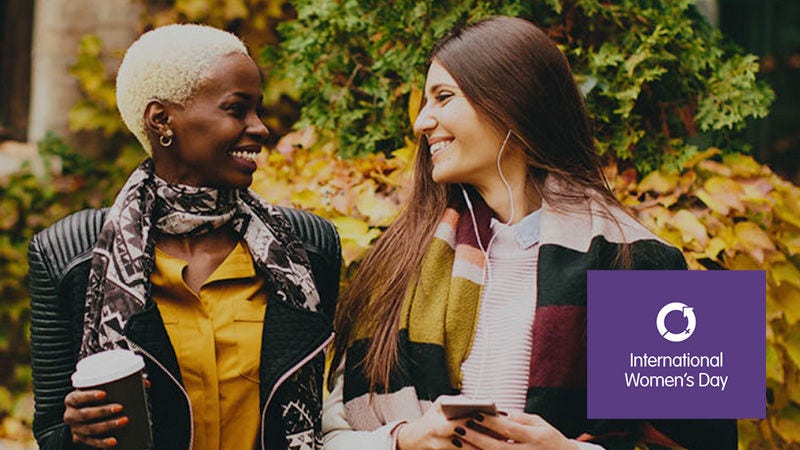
{"points": [[292, 342]]}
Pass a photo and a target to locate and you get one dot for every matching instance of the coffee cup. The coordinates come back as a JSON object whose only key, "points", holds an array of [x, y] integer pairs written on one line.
{"points": [[119, 374]]}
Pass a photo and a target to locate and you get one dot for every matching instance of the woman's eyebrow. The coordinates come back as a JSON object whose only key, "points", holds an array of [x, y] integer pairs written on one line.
{"points": [[243, 95], [438, 86], [246, 96]]}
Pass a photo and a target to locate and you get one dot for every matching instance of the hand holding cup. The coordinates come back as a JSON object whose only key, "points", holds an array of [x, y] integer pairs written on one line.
{"points": [[109, 408], [90, 421]]}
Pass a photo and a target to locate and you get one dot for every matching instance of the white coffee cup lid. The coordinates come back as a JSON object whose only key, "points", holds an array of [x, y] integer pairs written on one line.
{"points": [[106, 366]]}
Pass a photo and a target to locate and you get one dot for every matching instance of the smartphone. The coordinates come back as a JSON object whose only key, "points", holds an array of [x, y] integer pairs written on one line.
{"points": [[457, 407]]}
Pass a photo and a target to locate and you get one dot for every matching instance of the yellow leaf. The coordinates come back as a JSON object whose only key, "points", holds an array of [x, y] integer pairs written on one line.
{"points": [[788, 208], [687, 181], [691, 162], [414, 102], [786, 423], [306, 199], [790, 241], [276, 158], [659, 220], [659, 182], [406, 152], [90, 45], [629, 201], [742, 165], [656, 214], [727, 236], [364, 165], [304, 138], [355, 230], [275, 9], [343, 202], [690, 227], [673, 237], [774, 366], [351, 252], [714, 246], [83, 116], [714, 168], [792, 337], [691, 261], [710, 201], [274, 191], [762, 206], [193, 9], [235, 9], [752, 239], [785, 298], [165, 17], [743, 261], [668, 199], [726, 195], [756, 188], [316, 169], [748, 432], [377, 208], [785, 272], [752, 234]]}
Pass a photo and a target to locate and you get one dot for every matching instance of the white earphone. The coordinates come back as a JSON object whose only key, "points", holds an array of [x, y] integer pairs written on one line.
{"points": [[487, 273]]}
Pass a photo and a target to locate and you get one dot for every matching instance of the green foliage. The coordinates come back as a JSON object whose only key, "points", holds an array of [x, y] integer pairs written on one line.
{"points": [[653, 72], [29, 203], [356, 63], [98, 109], [254, 21], [730, 98], [660, 75]]}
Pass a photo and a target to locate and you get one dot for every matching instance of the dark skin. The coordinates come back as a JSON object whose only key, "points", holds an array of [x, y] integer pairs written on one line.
{"points": [[219, 122], [203, 254]]}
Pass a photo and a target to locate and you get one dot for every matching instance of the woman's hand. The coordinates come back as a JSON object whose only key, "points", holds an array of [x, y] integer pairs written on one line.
{"points": [[89, 421], [432, 431], [521, 430]]}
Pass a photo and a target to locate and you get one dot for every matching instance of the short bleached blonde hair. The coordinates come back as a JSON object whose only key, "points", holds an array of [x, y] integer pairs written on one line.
{"points": [[169, 64]]}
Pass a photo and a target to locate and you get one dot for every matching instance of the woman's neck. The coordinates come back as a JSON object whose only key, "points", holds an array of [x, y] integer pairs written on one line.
{"points": [[203, 254], [524, 198], [219, 241]]}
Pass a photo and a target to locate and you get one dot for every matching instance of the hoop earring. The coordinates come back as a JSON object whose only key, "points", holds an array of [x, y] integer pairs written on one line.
{"points": [[166, 141]]}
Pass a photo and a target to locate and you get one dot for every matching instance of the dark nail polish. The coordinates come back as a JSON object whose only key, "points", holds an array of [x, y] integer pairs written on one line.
{"points": [[456, 442], [478, 417], [471, 424], [461, 431], [502, 413]]}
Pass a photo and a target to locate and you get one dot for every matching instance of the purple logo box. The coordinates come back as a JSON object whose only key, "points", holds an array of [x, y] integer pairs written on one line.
{"points": [[666, 344]]}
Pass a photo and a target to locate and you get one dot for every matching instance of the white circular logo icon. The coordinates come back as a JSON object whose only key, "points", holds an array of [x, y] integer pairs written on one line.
{"points": [[688, 313]]}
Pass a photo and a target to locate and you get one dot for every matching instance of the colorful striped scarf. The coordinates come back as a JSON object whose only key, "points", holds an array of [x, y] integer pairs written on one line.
{"points": [[440, 312]]}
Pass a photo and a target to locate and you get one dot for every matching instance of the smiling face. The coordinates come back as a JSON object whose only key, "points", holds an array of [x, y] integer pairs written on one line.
{"points": [[463, 145], [218, 132]]}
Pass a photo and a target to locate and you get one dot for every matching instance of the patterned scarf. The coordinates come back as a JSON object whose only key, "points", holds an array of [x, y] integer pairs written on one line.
{"points": [[122, 259]]}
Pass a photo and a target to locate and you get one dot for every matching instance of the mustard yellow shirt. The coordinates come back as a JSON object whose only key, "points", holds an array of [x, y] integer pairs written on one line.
{"points": [[217, 338]]}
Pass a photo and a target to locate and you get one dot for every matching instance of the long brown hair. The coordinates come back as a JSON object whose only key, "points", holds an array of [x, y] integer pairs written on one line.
{"points": [[516, 79]]}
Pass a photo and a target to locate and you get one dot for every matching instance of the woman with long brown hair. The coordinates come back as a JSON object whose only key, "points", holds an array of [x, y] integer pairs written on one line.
{"points": [[478, 289]]}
